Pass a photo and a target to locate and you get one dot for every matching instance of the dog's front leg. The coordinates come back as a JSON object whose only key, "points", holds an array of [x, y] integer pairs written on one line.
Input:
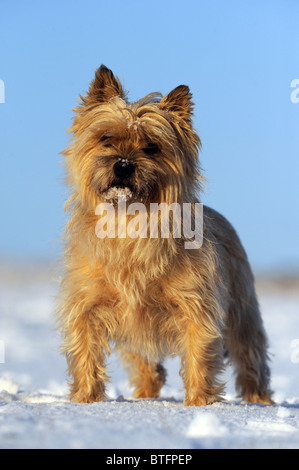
{"points": [[85, 346], [201, 362]]}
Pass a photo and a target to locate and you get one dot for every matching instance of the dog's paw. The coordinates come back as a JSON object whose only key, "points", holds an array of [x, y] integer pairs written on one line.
{"points": [[202, 400], [83, 397], [264, 399]]}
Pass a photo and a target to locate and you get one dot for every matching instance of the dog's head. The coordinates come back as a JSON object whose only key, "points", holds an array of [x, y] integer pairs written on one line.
{"points": [[145, 151]]}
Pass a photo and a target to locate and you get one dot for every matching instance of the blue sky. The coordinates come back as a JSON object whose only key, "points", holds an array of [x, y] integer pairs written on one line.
{"points": [[238, 57]]}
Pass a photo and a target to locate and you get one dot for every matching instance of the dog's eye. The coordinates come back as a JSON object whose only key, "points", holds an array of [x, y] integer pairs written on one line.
{"points": [[151, 149], [104, 140]]}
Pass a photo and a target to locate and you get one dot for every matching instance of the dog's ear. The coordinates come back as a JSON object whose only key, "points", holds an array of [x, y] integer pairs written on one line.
{"points": [[178, 102], [104, 86]]}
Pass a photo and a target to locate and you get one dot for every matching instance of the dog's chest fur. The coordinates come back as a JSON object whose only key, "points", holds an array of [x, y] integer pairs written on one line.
{"points": [[143, 299]]}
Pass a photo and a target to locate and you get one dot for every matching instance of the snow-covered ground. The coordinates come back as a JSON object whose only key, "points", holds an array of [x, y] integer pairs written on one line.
{"points": [[35, 412]]}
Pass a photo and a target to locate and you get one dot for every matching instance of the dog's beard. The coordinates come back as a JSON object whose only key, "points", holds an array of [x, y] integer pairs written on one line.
{"points": [[118, 193], [136, 189], [120, 190]]}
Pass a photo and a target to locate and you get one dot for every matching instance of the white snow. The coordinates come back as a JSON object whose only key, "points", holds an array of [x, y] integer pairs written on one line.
{"points": [[35, 411]]}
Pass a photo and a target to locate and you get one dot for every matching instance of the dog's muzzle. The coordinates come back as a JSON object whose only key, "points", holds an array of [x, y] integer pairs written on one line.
{"points": [[123, 169]]}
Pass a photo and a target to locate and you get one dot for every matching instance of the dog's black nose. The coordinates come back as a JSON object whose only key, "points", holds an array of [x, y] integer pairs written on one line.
{"points": [[123, 169]]}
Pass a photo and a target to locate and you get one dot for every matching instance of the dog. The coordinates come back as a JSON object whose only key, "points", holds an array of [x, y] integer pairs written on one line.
{"points": [[151, 297]]}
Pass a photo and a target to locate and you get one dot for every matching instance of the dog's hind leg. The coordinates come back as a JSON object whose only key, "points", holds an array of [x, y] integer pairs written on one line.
{"points": [[147, 378], [247, 346]]}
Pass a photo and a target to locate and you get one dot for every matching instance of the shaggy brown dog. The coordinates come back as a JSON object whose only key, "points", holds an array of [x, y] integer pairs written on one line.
{"points": [[152, 297]]}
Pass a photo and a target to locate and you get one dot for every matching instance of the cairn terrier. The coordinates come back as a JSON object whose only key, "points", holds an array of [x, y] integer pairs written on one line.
{"points": [[150, 296]]}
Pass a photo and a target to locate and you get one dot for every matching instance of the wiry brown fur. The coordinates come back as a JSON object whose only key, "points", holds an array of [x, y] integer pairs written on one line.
{"points": [[152, 297]]}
